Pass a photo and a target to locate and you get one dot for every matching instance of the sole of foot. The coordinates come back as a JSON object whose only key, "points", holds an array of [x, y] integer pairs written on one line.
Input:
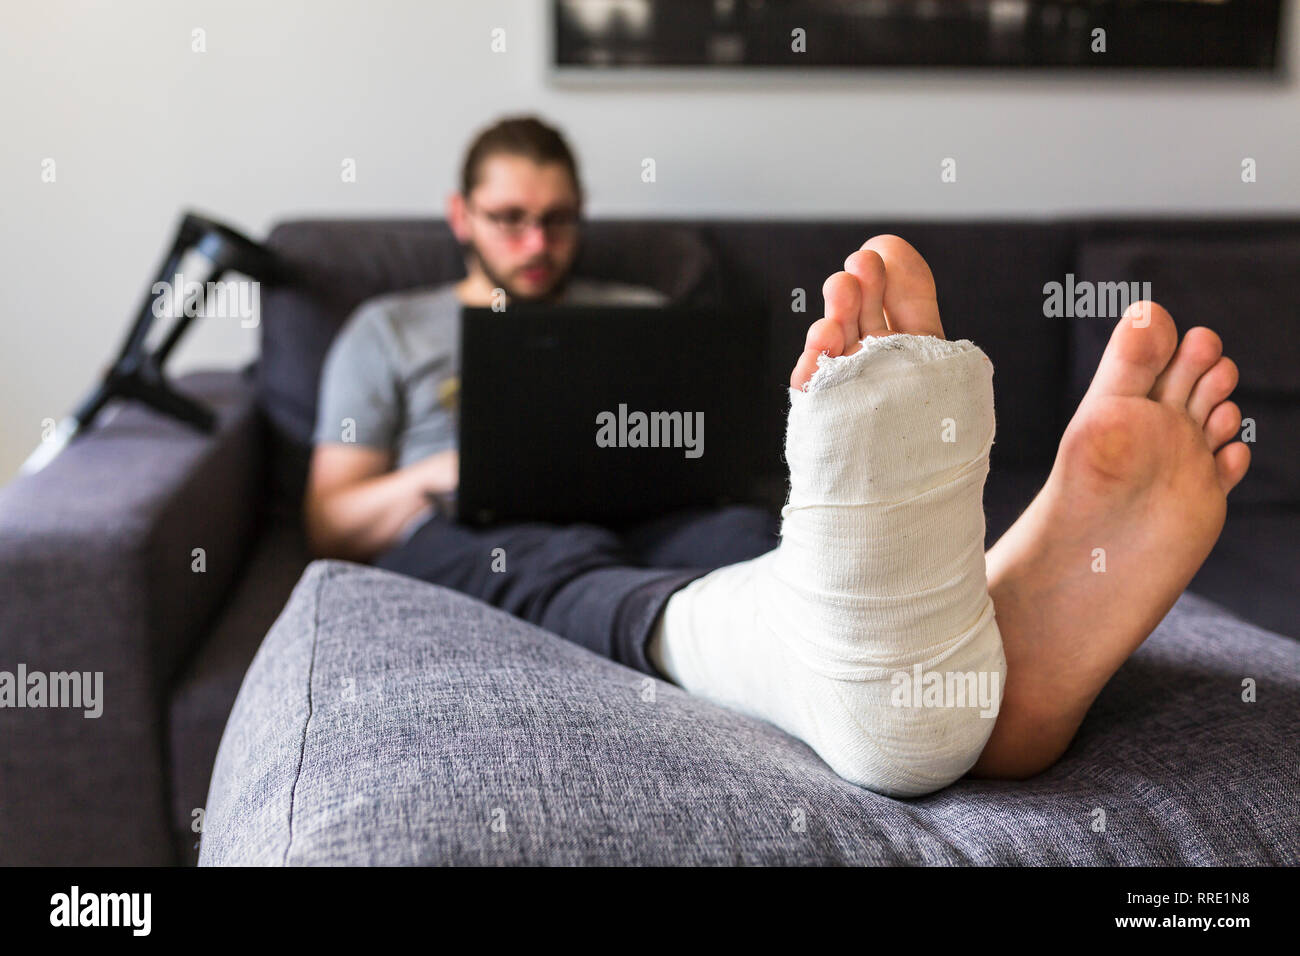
{"points": [[1133, 506]]}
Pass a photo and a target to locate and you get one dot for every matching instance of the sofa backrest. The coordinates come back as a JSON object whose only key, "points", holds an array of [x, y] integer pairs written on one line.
{"points": [[990, 278], [332, 266]]}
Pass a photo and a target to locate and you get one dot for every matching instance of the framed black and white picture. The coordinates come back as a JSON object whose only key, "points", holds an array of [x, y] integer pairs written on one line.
{"points": [[596, 35]]}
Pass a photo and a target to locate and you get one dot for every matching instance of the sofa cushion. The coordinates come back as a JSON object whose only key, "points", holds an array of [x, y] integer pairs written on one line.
{"points": [[388, 721], [1246, 288], [331, 267]]}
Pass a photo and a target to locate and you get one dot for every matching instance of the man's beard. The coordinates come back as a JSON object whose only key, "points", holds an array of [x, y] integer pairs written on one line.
{"points": [[552, 292]]}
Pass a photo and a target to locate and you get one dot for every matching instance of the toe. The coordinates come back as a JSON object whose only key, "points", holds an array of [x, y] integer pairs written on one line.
{"points": [[1231, 462], [843, 295], [1197, 353], [1211, 389], [803, 369], [825, 337], [911, 303], [1221, 424], [869, 269], [1139, 349]]}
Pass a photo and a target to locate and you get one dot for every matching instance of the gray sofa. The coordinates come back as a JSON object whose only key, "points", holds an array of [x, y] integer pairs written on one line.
{"points": [[386, 720]]}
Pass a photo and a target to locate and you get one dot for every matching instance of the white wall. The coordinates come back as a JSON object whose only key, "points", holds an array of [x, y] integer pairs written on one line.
{"points": [[255, 129]]}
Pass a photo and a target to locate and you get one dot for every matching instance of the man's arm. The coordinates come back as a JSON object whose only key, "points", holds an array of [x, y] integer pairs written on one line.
{"points": [[355, 507]]}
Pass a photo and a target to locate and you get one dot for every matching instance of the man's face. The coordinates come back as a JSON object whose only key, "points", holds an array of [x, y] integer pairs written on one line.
{"points": [[520, 225]]}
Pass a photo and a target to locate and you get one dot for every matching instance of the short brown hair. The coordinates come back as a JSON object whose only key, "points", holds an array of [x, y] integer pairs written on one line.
{"points": [[524, 136]]}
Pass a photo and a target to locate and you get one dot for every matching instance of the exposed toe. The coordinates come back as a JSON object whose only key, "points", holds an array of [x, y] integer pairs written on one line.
{"points": [[1231, 462], [1222, 424], [825, 337], [843, 295], [1199, 350], [1211, 389], [1139, 349], [911, 302], [869, 269]]}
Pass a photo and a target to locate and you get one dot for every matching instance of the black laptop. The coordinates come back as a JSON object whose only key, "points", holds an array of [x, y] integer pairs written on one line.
{"points": [[599, 414]]}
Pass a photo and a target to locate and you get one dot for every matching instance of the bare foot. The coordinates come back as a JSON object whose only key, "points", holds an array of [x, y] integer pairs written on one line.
{"points": [[1134, 503]]}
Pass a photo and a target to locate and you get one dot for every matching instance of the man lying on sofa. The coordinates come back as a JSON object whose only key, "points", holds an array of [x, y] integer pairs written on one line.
{"points": [[871, 624]]}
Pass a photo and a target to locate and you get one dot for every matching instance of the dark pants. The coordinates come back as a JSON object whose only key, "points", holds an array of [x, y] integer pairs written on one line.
{"points": [[602, 588]]}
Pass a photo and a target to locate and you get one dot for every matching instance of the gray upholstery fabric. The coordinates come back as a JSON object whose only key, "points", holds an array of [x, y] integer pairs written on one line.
{"points": [[205, 691], [387, 721], [1254, 569], [95, 575]]}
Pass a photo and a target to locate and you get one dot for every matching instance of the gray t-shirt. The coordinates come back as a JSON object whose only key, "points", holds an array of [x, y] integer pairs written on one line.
{"points": [[391, 379]]}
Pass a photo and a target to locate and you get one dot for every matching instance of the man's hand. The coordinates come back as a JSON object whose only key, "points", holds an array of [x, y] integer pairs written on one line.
{"points": [[440, 472], [355, 507]]}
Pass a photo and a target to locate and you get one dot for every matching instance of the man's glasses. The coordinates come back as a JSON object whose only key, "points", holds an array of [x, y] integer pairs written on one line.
{"points": [[514, 223]]}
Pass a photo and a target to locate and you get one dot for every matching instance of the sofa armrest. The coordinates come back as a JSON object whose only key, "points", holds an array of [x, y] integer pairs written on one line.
{"points": [[99, 574]]}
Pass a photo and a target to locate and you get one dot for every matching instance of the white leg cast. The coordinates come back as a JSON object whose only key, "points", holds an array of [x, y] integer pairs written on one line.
{"points": [[868, 632]]}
